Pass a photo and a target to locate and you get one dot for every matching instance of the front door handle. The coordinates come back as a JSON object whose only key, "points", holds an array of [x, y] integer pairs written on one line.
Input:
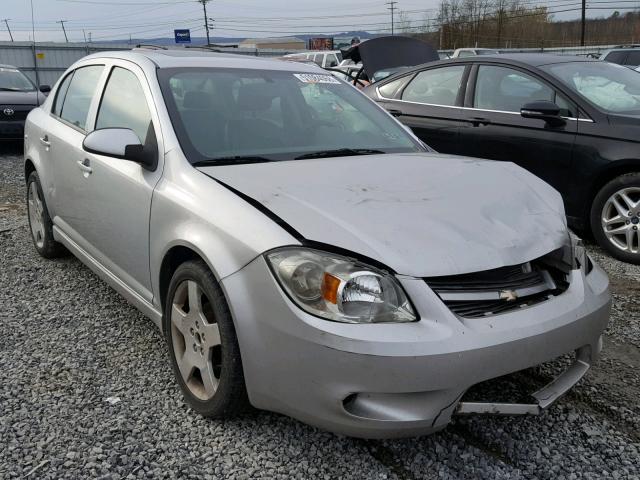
{"points": [[476, 121], [85, 166], [395, 113], [45, 141]]}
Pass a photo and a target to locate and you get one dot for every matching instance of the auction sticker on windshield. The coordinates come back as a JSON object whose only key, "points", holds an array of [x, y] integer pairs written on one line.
{"points": [[314, 78]]}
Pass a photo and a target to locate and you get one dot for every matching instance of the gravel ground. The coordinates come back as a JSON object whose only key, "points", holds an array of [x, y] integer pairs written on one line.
{"points": [[69, 344]]}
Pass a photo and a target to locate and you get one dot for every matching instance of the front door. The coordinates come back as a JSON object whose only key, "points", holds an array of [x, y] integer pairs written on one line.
{"points": [[117, 193], [496, 130]]}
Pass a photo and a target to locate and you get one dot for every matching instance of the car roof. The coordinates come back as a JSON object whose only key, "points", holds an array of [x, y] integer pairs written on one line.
{"points": [[531, 59], [170, 58]]}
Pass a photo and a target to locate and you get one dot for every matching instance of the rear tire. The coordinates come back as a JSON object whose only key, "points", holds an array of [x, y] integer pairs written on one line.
{"points": [[615, 218], [40, 224], [202, 342]]}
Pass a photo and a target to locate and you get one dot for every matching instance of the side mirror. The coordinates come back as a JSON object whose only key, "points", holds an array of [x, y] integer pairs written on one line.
{"points": [[543, 110], [45, 88], [118, 143]]}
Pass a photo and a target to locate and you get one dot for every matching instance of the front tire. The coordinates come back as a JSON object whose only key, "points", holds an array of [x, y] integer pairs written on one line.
{"points": [[40, 223], [203, 344], [615, 218]]}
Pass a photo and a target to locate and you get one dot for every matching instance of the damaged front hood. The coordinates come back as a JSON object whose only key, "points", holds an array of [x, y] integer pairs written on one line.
{"points": [[421, 214]]}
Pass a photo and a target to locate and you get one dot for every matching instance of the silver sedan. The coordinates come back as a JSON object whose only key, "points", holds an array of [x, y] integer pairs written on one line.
{"points": [[300, 249]]}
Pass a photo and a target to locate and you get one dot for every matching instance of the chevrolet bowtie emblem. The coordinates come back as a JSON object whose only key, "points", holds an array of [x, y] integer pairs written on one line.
{"points": [[508, 295]]}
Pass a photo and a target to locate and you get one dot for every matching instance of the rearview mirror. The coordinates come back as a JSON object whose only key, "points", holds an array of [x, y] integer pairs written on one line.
{"points": [[45, 88], [543, 110], [118, 143]]}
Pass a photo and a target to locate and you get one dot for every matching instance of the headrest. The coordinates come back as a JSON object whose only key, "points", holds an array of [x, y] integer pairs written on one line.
{"points": [[256, 97], [197, 100]]}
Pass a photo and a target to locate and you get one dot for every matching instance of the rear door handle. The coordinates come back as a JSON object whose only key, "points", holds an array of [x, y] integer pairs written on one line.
{"points": [[480, 121], [85, 166], [45, 141]]}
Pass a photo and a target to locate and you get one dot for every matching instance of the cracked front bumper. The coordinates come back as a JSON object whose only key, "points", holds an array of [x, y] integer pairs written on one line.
{"points": [[397, 380]]}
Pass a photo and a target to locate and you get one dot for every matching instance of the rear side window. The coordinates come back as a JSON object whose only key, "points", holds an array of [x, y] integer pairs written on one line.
{"points": [[77, 101], [124, 104], [633, 59], [616, 57], [62, 92], [438, 86]]}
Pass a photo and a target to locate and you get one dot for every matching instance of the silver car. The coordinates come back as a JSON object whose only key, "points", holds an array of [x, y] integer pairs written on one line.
{"points": [[302, 251]]}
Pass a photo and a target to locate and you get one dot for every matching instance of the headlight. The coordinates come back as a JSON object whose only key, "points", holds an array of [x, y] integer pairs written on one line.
{"points": [[339, 288]]}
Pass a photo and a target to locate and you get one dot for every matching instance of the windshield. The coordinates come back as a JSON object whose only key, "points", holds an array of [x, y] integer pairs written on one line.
{"points": [[611, 87], [274, 115], [14, 80]]}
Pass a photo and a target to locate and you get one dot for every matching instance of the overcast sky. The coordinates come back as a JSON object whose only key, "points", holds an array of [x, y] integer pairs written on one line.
{"points": [[117, 19]]}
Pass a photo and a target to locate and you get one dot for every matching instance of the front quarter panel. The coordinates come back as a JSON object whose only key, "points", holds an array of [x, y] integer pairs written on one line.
{"points": [[192, 210]]}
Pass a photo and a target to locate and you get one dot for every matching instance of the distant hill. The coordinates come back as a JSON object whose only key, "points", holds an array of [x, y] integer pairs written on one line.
{"points": [[214, 39]]}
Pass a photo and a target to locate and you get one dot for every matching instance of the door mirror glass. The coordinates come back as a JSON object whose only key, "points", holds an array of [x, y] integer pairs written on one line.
{"points": [[45, 88], [542, 110], [117, 143]]}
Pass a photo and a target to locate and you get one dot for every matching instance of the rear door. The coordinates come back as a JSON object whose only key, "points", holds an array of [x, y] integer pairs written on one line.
{"points": [[117, 193], [430, 103], [497, 131], [62, 138]]}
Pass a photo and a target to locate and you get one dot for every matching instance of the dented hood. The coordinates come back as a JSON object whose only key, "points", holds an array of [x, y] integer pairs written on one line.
{"points": [[421, 214]]}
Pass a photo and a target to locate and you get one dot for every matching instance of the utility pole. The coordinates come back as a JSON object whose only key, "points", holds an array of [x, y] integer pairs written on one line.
{"points": [[84, 34], [6, 22], [89, 37], [584, 9], [393, 8], [61, 22], [206, 20]]}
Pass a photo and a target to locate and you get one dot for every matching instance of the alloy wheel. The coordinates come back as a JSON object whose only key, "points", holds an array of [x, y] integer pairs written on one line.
{"points": [[620, 219], [36, 215], [196, 340]]}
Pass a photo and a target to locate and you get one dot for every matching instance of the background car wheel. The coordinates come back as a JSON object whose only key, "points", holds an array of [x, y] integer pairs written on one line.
{"points": [[202, 343], [40, 222], [615, 217]]}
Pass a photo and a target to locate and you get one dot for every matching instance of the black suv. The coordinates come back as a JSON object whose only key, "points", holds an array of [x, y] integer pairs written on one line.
{"points": [[18, 96], [573, 121]]}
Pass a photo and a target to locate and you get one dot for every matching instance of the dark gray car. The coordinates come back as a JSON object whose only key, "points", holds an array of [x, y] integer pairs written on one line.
{"points": [[18, 96]]}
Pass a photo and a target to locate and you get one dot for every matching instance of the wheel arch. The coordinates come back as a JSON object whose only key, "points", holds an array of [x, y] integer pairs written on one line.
{"points": [[29, 167]]}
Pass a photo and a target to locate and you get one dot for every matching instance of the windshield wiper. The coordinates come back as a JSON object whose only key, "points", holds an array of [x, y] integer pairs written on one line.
{"points": [[234, 160], [340, 152]]}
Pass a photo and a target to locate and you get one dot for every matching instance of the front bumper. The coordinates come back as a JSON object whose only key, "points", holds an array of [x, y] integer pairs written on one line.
{"points": [[12, 130], [396, 380]]}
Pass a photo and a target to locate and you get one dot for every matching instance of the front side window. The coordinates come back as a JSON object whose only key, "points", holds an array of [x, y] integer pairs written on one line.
{"points": [[77, 101], [438, 86], [276, 115], [612, 88], [507, 90], [332, 61], [13, 80], [124, 104]]}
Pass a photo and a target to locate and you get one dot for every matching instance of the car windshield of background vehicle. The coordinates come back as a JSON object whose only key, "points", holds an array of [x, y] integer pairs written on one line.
{"points": [[13, 80], [611, 87], [230, 113]]}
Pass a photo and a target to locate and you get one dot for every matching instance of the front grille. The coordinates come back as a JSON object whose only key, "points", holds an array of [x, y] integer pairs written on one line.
{"points": [[491, 292]]}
